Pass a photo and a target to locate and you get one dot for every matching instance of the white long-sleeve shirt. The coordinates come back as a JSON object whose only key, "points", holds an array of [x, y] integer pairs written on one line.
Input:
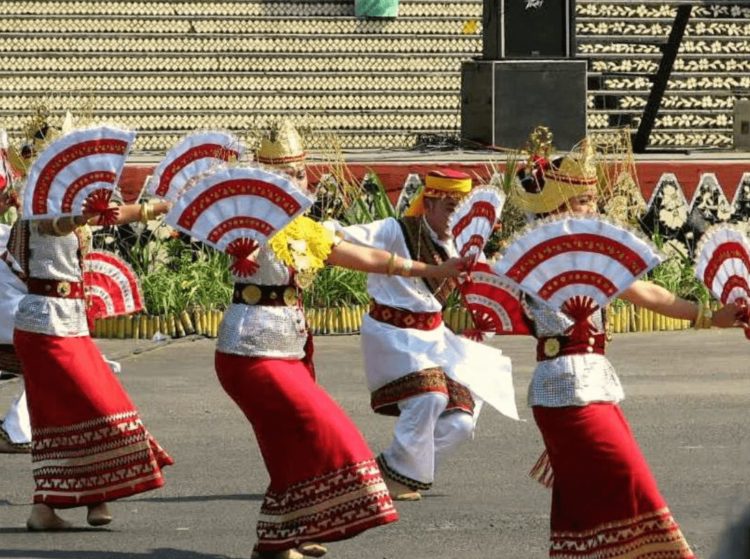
{"points": [[391, 352]]}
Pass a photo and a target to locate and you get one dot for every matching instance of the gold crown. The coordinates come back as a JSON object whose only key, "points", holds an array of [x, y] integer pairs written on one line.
{"points": [[281, 145], [575, 176]]}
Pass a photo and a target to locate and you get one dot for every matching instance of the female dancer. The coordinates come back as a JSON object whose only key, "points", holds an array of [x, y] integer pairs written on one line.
{"points": [[89, 445], [325, 484], [605, 502]]}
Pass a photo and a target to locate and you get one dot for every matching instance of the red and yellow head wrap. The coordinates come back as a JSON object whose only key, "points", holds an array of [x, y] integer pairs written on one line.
{"points": [[444, 183]]}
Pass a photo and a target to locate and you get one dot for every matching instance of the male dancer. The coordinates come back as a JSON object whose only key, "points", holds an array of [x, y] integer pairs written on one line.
{"points": [[416, 368]]}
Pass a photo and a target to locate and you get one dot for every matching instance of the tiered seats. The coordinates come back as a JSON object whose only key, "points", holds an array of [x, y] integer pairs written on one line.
{"points": [[621, 39], [168, 66]]}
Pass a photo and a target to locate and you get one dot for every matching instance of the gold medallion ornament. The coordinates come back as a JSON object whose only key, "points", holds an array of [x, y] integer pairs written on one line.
{"points": [[551, 347], [251, 294], [290, 296], [63, 289]]}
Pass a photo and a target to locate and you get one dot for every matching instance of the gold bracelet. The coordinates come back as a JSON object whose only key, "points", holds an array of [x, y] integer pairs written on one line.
{"points": [[145, 212], [704, 318], [390, 268]]}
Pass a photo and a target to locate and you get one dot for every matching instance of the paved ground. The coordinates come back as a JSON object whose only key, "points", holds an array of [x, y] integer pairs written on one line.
{"points": [[688, 402]]}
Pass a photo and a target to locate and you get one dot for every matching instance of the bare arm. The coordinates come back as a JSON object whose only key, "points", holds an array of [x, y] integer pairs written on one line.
{"points": [[130, 213], [376, 261], [127, 213], [656, 298]]}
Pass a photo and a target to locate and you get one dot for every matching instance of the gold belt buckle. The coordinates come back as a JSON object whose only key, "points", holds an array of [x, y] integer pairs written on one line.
{"points": [[551, 347], [251, 294], [64, 288], [290, 296]]}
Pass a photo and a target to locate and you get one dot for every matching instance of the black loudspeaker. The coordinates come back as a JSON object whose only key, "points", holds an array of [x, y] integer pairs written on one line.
{"points": [[528, 29], [503, 101]]}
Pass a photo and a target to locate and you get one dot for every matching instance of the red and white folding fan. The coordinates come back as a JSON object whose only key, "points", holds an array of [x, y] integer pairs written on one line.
{"points": [[111, 286], [723, 265], [495, 306], [6, 178], [473, 220], [80, 167], [192, 156], [577, 265], [236, 209]]}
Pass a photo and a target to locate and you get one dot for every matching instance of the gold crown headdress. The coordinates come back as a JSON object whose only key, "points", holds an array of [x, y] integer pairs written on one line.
{"points": [[281, 145], [574, 175]]}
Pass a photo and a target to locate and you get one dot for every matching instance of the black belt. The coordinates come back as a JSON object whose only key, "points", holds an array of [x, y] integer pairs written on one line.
{"points": [[270, 295]]}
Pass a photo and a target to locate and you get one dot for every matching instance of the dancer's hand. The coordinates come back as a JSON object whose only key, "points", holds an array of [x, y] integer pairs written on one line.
{"points": [[457, 267], [726, 316]]}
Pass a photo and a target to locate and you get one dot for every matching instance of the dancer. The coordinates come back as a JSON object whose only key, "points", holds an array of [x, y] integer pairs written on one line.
{"points": [[325, 484], [605, 501], [415, 366], [88, 443], [15, 428]]}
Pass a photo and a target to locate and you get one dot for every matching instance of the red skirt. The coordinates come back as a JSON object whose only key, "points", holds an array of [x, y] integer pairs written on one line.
{"points": [[325, 484], [605, 502], [88, 442]]}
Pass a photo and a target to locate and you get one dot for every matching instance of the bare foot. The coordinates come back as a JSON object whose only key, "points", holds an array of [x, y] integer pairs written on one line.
{"points": [[99, 515], [312, 549], [44, 519], [401, 492], [286, 554]]}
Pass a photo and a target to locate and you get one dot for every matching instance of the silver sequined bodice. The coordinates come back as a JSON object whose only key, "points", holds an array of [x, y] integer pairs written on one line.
{"points": [[260, 330], [570, 380], [53, 258]]}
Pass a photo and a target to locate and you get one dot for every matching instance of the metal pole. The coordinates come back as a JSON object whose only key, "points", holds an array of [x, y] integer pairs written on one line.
{"points": [[662, 79]]}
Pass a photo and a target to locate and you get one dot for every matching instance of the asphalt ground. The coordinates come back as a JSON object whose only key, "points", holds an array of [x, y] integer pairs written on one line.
{"points": [[688, 402]]}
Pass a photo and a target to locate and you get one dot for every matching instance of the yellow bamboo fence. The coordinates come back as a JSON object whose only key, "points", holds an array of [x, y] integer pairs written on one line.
{"points": [[341, 320]]}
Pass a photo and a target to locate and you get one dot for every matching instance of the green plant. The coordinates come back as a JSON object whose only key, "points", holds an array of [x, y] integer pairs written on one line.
{"points": [[336, 287]]}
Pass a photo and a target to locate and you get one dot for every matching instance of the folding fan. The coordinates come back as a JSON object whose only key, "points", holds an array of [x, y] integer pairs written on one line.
{"points": [[494, 305], [111, 286], [577, 265], [6, 178], [80, 167], [473, 220], [235, 209], [194, 155], [723, 265]]}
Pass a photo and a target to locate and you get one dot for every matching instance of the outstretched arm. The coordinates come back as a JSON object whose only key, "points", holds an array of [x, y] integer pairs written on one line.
{"points": [[656, 298], [372, 260], [130, 213], [127, 213]]}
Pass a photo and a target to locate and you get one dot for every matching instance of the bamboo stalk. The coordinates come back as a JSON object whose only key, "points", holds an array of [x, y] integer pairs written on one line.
{"points": [[179, 328], [218, 315], [206, 323], [187, 324], [136, 329], [328, 325], [346, 319], [197, 322], [311, 315], [144, 326]]}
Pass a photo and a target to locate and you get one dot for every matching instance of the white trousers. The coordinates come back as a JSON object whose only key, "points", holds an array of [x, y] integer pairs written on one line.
{"points": [[424, 435], [16, 423]]}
